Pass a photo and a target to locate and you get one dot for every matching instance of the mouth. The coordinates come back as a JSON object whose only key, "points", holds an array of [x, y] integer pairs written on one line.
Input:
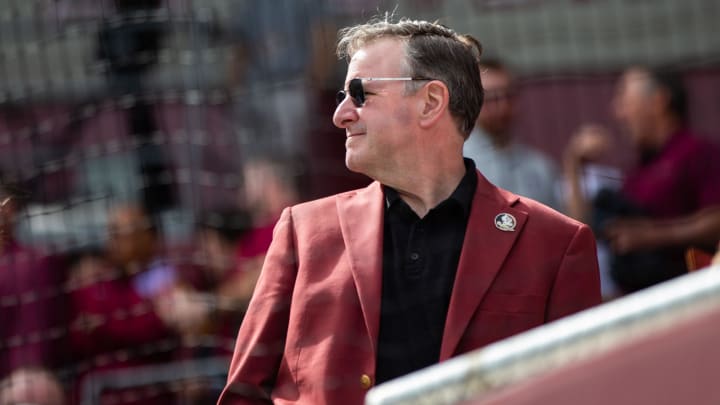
{"points": [[356, 134]]}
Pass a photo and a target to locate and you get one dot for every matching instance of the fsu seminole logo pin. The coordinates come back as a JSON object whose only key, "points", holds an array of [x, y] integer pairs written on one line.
{"points": [[505, 222]]}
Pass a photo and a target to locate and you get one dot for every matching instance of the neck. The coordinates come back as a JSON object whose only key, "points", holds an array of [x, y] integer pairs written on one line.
{"points": [[664, 130], [424, 188]]}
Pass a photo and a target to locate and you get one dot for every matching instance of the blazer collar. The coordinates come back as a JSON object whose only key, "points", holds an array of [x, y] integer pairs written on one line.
{"points": [[361, 223], [484, 250]]}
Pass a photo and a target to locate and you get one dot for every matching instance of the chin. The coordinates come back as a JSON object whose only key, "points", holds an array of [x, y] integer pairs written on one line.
{"points": [[352, 164], [355, 164]]}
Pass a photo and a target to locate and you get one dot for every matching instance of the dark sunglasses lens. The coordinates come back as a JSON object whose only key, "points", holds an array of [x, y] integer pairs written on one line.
{"points": [[340, 97], [357, 93]]}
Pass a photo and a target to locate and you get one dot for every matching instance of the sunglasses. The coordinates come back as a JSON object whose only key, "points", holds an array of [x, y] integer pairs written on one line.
{"points": [[357, 92], [491, 96]]}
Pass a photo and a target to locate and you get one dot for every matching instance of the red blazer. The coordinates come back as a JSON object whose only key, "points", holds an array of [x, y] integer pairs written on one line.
{"points": [[310, 333]]}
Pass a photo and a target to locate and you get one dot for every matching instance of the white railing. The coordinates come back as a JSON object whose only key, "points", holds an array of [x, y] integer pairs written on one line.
{"points": [[584, 335]]}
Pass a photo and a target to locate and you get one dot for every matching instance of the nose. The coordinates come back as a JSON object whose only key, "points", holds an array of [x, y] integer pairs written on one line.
{"points": [[345, 114]]}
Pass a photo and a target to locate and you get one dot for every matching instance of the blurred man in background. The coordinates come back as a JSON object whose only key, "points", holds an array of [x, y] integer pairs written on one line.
{"points": [[31, 387], [664, 202], [270, 184], [506, 162], [30, 312], [135, 308]]}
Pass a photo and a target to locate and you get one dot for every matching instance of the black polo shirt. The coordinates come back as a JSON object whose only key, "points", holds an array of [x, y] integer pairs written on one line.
{"points": [[420, 258]]}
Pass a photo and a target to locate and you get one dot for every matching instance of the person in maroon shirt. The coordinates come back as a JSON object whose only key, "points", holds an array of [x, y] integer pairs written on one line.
{"points": [[29, 313], [125, 313], [660, 209], [270, 185], [218, 233]]}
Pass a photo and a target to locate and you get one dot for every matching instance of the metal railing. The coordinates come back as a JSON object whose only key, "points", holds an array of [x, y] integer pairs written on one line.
{"points": [[578, 337], [97, 383]]}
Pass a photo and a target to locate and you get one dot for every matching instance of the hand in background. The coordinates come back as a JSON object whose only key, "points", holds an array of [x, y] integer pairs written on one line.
{"points": [[629, 235], [589, 143], [31, 386], [184, 310]]}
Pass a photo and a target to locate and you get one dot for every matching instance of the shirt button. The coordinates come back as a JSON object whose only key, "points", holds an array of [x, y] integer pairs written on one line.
{"points": [[365, 381], [414, 256]]}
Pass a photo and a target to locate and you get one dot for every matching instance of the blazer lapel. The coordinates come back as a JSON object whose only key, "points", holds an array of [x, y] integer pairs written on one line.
{"points": [[361, 223], [484, 250]]}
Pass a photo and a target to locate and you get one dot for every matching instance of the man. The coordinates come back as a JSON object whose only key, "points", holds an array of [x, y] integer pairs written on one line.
{"points": [[31, 386], [365, 286], [31, 297], [665, 203], [505, 162], [135, 307]]}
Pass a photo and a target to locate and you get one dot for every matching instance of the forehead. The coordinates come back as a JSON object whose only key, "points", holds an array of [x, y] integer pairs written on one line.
{"points": [[494, 78], [126, 217], [634, 81], [381, 57]]}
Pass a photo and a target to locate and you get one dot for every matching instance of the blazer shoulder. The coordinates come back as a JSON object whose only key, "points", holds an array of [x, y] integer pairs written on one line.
{"points": [[323, 205]]}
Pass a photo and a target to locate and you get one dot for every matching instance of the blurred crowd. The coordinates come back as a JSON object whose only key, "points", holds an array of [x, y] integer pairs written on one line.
{"points": [[136, 300], [106, 316]]}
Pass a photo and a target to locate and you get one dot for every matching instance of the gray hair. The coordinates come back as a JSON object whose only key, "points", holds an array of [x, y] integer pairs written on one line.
{"points": [[432, 51]]}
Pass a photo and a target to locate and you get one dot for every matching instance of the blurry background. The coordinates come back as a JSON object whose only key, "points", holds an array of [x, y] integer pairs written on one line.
{"points": [[163, 103], [162, 100]]}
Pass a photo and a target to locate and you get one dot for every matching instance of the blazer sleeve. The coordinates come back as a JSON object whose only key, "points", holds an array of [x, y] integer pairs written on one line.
{"points": [[577, 283], [261, 339]]}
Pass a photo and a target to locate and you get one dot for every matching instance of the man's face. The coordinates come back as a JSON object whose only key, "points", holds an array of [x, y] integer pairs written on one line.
{"points": [[130, 242], [496, 114], [380, 132], [633, 107]]}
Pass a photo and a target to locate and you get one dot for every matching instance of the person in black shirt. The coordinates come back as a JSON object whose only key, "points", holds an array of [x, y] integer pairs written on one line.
{"points": [[428, 262]]}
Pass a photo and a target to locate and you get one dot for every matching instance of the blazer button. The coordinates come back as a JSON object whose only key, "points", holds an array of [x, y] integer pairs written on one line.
{"points": [[365, 381]]}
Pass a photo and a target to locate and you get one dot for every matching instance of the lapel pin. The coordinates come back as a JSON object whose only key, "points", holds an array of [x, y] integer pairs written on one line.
{"points": [[505, 222]]}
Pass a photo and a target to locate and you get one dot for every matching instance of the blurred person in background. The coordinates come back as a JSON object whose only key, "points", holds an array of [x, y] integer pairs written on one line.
{"points": [[365, 286], [31, 386], [273, 48], [503, 160], [664, 202], [270, 184], [135, 314], [31, 309], [219, 237]]}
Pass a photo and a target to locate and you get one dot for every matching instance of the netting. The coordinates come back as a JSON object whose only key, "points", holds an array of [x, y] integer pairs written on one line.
{"points": [[166, 105]]}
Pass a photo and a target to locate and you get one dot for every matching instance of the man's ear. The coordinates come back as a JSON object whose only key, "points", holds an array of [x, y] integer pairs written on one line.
{"points": [[435, 100]]}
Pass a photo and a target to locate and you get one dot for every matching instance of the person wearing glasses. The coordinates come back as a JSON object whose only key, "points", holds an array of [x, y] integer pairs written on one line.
{"points": [[503, 160], [428, 262]]}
